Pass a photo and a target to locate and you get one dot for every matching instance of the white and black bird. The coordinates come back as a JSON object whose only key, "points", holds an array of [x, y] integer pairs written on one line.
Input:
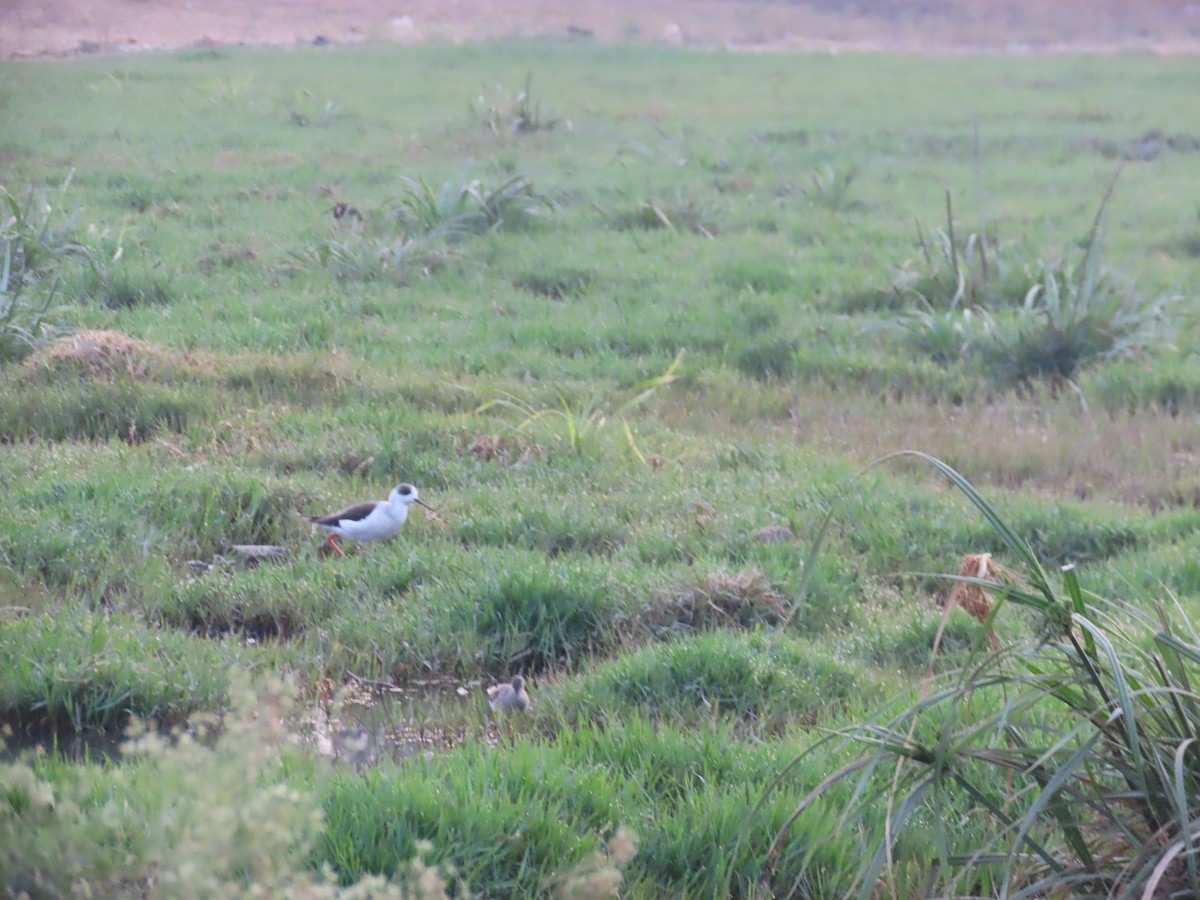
{"points": [[370, 521], [509, 696]]}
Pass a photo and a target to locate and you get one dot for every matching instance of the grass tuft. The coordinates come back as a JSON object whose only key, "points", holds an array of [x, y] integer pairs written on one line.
{"points": [[94, 671], [763, 682], [117, 288], [557, 283], [513, 113], [768, 356], [680, 212], [533, 620], [464, 208], [65, 408], [833, 189], [1067, 316], [35, 249]]}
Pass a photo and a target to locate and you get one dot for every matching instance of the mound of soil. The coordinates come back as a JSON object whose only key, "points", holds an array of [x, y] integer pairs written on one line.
{"points": [[103, 354]]}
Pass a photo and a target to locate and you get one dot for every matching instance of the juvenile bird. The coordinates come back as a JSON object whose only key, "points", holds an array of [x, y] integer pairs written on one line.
{"points": [[509, 696], [370, 521]]}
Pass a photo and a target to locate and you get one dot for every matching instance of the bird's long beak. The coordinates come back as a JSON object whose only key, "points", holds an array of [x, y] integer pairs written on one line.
{"points": [[427, 506]]}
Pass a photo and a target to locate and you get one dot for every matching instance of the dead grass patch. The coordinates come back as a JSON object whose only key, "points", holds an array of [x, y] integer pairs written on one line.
{"points": [[103, 355], [1146, 458], [498, 448], [742, 599], [972, 597], [968, 595]]}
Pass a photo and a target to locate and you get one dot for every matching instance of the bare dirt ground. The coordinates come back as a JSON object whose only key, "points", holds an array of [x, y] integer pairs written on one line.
{"points": [[34, 28]]}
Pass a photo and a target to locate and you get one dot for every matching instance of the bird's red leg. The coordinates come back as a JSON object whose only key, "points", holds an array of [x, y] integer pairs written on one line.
{"points": [[333, 543]]}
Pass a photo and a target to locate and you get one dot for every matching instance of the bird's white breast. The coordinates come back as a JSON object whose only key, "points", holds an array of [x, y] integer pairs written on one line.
{"points": [[384, 521]]}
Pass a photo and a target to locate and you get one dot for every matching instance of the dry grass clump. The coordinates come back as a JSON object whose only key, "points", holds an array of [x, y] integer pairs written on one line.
{"points": [[355, 464], [600, 874], [1145, 458], [498, 448], [103, 354], [489, 447], [972, 597], [742, 599]]}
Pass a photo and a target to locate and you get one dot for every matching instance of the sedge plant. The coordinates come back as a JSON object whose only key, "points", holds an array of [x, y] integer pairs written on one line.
{"points": [[578, 426], [1065, 762]]}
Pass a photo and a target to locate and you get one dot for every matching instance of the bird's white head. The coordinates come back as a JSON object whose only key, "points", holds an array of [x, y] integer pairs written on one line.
{"points": [[403, 496]]}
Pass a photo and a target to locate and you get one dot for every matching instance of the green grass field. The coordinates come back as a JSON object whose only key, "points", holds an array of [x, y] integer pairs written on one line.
{"points": [[610, 328]]}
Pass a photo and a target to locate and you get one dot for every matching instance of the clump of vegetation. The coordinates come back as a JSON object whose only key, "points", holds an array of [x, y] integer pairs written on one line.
{"points": [[1074, 315], [557, 282], [1055, 765], [513, 114], [742, 599], [954, 280], [118, 288], [600, 874], [1173, 385], [96, 409], [578, 427], [428, 219], [207, 515], [538, 619], [101, 384], [832, 189], [761, 682], [356, 257], [1040, 321], [677, 213], [953, 272], [767, 356], [35, 248], [89, 671], [923, 639], [463, 208]]}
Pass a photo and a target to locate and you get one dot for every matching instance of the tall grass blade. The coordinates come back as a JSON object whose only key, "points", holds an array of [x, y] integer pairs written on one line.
{"points": [[1075, 595], [1048, 799], [1187, 836]]}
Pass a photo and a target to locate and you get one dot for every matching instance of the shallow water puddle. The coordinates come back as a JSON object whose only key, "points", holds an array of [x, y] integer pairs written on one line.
{"points": [[78, 747], [363, 723]]}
